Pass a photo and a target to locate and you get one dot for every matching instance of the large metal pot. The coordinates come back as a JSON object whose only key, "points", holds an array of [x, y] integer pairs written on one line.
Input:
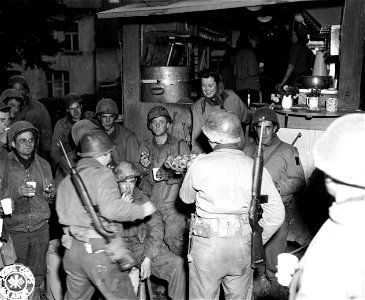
{"points": [[165, 84], [320, 82]]}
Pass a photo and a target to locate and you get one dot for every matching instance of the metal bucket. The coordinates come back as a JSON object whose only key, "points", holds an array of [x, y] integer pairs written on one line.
{"points": [[165, 84]]}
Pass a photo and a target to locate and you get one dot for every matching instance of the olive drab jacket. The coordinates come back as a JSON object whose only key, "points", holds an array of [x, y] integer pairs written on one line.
{"points": [[104, 192], [127, 144], [29, 214], [164, 193], [283, 163], [149, 232]]}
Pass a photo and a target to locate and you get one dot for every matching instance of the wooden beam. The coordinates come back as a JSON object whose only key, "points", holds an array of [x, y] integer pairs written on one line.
{"points": [[351, 54], [183, 6], [130, 71]]}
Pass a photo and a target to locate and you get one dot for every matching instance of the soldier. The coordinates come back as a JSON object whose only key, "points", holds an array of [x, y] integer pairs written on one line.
{"points": [[28, 225], [125, 140], [54, 257], [88, 261], [165, 188], [214, 98], [220, 184], [61, 132], [283, 163], [35, 113], [4, 123], [145, 237], [333, 266]]}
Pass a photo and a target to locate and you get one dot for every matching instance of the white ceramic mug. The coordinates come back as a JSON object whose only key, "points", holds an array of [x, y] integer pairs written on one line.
{"points": [[6, 205], [312, 103], [287, 264]]}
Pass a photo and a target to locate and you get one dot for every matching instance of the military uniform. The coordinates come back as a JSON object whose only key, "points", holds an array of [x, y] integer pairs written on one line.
{"points": [[283, 163], [220, 185], [86, 262], [145, 239], [165, 194]]}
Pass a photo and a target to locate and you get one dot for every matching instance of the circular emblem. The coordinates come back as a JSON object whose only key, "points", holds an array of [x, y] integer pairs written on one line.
{"points": [[16, 282]]}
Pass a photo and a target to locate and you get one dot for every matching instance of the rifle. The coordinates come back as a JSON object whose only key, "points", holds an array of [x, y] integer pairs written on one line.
{"points": [[124, 257], [257, 247]]}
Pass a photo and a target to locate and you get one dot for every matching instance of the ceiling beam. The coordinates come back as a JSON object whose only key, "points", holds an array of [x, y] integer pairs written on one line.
{"points": [[142, 9]]}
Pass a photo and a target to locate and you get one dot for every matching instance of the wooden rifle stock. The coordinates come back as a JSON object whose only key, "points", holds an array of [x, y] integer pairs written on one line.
{"points": [[257, 247]]}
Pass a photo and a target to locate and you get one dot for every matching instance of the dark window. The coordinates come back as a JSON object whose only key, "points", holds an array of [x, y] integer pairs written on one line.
{"points": [[71, 42]]}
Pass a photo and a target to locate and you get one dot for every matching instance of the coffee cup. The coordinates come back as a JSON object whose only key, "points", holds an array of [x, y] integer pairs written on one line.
{"points": [[312, 103], [331, 104], [34, 185], [6, 205], [155, 177], [287, 264]]}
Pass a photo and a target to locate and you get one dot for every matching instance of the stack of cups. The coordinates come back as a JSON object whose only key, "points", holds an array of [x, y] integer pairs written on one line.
{"points": [[287, 264]]}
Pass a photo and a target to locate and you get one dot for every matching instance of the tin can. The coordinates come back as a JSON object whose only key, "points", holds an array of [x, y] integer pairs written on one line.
{"points": [[332, 104]]}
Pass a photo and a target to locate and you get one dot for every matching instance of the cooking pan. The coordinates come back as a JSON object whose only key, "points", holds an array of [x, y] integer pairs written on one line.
{"points": [[320, 82]]}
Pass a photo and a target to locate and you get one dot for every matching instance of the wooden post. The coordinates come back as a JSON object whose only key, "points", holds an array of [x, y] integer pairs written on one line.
{"points": [[351, 54], [131, 72]]}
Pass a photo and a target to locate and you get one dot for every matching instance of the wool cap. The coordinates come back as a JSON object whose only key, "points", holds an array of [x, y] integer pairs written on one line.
{"points": [[71, 98]]}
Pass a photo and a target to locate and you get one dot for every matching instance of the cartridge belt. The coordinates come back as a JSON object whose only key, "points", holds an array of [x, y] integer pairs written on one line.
{"points": [[225, 226]]}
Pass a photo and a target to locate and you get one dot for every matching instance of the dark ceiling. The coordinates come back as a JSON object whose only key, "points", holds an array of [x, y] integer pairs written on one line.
{"points": [[241, 18]]}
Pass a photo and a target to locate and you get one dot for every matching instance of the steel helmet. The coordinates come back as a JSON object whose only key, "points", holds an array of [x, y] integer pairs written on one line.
{"points": [[20, 127], [70, 99], [106, 106], [18, 79], [223, 127], [95, 143], [80, 128], [125, 170], [268, 113], [4, 107], [158, 111], [339, 152], [9, 94]]}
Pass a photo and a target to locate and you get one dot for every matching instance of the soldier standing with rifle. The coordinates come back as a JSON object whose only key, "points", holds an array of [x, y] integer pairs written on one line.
{"points": [[220, 184], [93, 257], [283, 163]]}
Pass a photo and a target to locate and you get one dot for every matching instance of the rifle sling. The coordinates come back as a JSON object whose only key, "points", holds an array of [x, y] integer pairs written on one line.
{"points": [[95, 206]]}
